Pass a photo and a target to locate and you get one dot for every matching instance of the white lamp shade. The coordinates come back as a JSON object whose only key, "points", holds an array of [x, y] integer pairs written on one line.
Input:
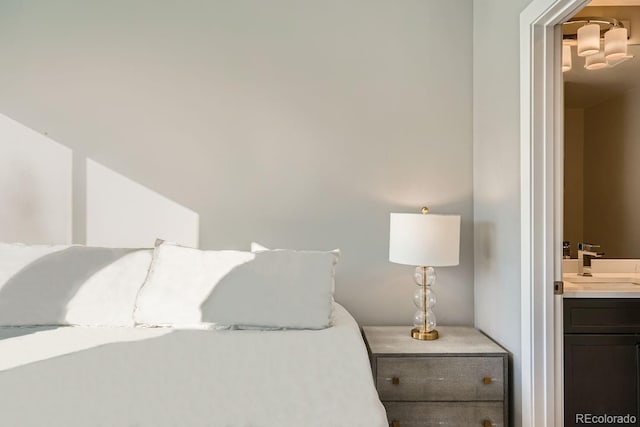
{"points": [[595, 62], [566, 58], [424, 240], [615, 44], [588, 39]]}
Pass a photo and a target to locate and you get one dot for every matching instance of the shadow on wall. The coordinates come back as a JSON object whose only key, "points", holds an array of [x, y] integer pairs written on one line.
{"points": [[37, 196], [122, 213], [486, 238]]}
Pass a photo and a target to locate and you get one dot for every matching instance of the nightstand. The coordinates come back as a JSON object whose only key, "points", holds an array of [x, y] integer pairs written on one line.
{"points": [[459, 379]]}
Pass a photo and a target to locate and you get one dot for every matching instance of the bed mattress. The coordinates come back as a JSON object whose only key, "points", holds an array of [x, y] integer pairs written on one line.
{"points": [[111, 377]]}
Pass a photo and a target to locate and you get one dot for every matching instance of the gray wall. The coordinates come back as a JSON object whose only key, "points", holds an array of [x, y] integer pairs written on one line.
{"points": [[496, 176], [612, 174], [294, 123], [573, 224]]}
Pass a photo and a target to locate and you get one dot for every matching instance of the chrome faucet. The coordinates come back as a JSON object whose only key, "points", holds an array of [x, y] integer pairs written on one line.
{"points": [[585, 255]]}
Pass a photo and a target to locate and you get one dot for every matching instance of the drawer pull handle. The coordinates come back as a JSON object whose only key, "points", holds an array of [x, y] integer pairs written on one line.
{"points": [[395, 423], [486, 423], [395, 381], [487, 380]]}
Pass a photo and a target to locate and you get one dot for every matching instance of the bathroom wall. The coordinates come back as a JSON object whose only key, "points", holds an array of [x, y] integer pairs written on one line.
{"points": [[612, 175], [607, 172], [574, 177]]}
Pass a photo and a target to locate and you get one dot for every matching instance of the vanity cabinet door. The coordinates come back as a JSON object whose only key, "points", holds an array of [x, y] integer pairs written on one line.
{"points": [[601, 379], [602, 315]]}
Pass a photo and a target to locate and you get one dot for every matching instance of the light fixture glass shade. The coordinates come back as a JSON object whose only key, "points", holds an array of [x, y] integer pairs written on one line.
{"points": [[588, 39], [566, 58], [595, 62], [424, 240], [615, 44]]}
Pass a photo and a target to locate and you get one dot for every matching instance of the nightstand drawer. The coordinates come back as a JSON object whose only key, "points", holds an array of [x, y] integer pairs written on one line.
{"points": [[427, 414], [440, 378]]}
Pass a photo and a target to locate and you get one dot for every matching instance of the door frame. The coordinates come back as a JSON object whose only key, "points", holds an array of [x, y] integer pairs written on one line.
{"points": [[541, 177]]}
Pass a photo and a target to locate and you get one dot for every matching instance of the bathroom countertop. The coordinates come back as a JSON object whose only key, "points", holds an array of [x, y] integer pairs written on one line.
{"points": [[602, 285]]}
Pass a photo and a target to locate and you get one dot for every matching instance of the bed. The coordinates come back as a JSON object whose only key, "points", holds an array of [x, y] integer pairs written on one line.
{"points": [[178, 336], [155, 377]]}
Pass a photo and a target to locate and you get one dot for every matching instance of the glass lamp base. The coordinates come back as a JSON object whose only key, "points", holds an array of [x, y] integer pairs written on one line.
{"points": [[420, 334]]}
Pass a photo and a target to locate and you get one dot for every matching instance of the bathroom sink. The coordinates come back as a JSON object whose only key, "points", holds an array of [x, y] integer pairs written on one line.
{"points": [[604, 280]]}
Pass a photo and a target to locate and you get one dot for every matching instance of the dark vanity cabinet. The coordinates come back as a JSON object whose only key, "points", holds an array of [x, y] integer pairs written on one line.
{"points": [[601, 361]]}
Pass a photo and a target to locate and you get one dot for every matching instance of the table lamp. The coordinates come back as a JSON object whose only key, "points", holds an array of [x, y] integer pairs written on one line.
{"points": [[426, 241]]}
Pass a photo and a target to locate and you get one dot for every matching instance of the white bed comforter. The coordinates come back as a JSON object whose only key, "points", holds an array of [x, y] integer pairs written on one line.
{"points": [[112, 377]]}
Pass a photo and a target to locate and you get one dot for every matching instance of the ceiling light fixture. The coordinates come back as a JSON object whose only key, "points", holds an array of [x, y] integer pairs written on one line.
{"points": [[615, 44], [588, 39], [595, 62], [588, 33], [566, 57]]}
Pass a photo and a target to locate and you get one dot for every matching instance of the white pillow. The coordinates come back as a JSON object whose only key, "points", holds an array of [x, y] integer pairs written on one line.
{"points": [[179, 281], [70, 285], [257, 247], [274, 289]]}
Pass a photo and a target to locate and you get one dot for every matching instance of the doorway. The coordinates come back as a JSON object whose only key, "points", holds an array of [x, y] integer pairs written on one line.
{"points": [[542, 207], [541, 174]]}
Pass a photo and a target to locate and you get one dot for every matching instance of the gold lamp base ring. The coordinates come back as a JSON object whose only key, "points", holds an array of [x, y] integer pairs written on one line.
{"points": [[420, 334]]}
